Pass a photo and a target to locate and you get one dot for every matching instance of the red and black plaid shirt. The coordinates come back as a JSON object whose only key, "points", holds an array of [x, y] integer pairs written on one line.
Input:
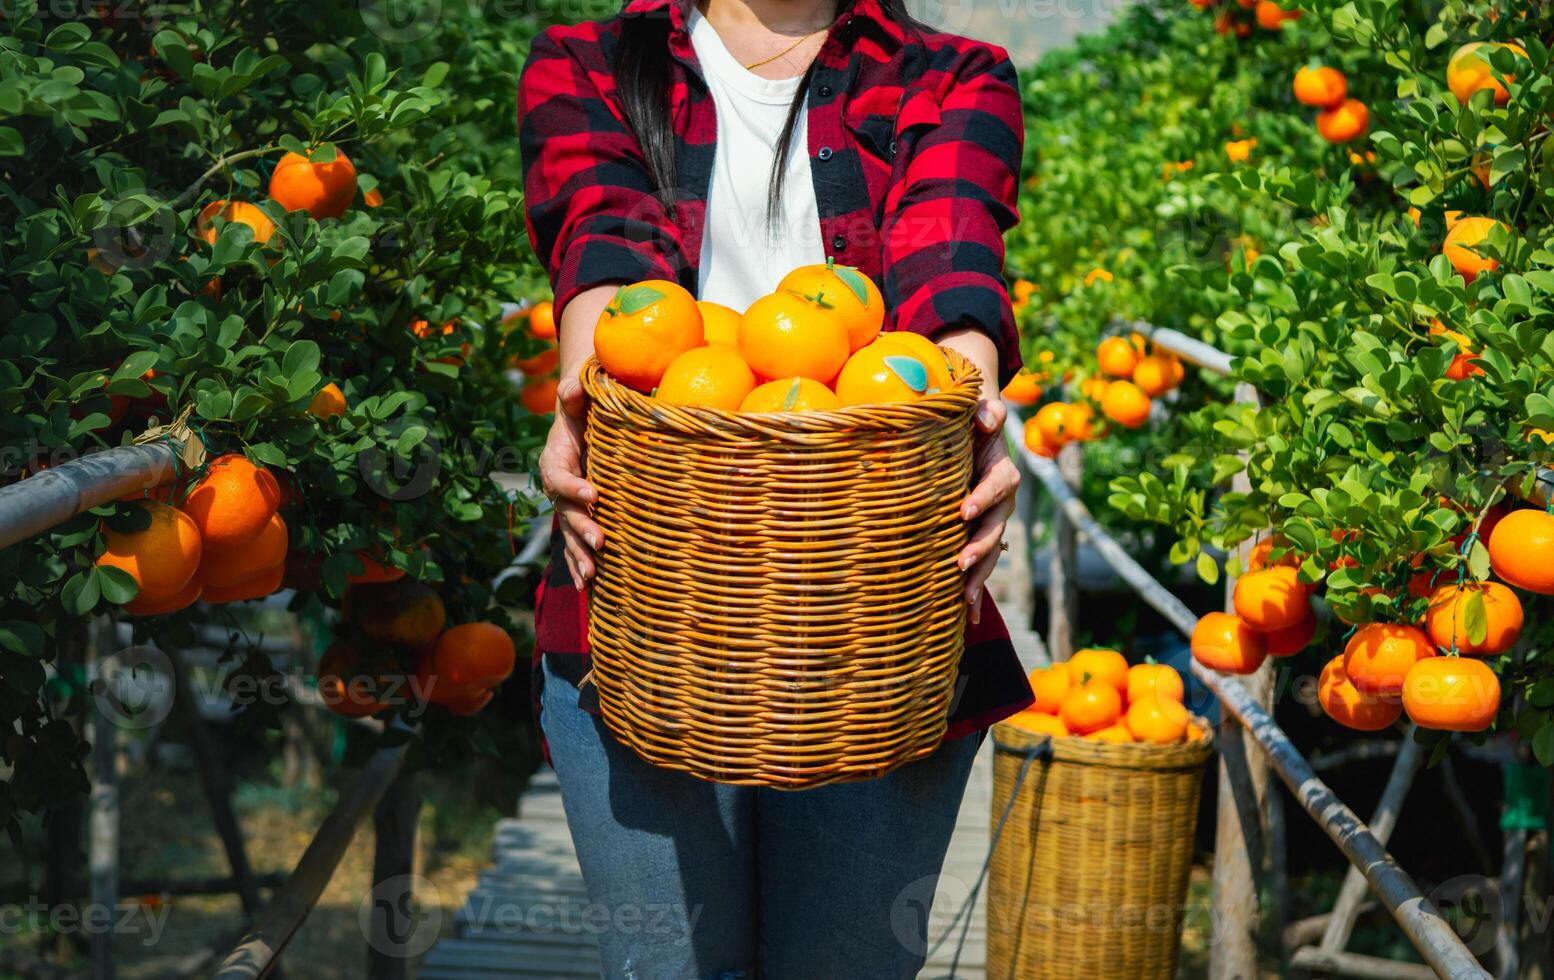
{"points": [[915, 142]]}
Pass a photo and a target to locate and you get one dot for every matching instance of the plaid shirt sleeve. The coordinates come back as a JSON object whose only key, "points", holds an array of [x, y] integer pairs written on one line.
{"points": [[947, 213], [591, 210]]}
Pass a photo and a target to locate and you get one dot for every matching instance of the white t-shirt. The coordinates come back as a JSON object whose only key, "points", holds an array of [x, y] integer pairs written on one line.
{"points": [[742, 255]]}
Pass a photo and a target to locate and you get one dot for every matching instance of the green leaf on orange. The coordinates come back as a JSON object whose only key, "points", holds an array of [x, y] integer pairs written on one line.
{"points": [[910, 370], [635, 299], [853, 279]]}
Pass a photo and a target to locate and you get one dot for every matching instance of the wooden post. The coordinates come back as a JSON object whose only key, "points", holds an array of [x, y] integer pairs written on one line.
{"points": [[393, 871], [103, 807], [1242, 812], [1063, 568]]}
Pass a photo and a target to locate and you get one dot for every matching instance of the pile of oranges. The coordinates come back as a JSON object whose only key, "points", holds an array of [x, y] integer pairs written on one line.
{"points": [[1096, 695], [1433, 669], [225, 541], [1341, 119], [1233, 15], [1129, 378], [813, 344]]}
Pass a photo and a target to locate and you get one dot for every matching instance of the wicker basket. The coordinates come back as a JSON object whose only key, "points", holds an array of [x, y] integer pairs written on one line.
{"points": [[777, 600], [1089, 876]]}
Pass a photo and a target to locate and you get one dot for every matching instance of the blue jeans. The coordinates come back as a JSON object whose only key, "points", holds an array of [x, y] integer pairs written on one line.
{"points": [[705, 880]]}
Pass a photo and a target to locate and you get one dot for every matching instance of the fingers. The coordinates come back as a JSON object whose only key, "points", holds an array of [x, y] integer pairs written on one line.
{"points": [[975, 578], [571, 400], [580, 557], [561, 474], [986, 537], [991, 414], [576, 520], [998, 483]]}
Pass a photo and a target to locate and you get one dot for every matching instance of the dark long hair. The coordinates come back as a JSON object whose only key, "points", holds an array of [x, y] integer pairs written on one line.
{"points": [[642, 79]]}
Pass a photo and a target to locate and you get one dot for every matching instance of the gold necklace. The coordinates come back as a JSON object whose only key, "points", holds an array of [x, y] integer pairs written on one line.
{"points": [[788, 50]]}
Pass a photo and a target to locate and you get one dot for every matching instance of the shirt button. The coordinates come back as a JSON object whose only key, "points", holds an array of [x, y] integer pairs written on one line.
{"points": [[838, 243], [825, 153], [825, 91]]}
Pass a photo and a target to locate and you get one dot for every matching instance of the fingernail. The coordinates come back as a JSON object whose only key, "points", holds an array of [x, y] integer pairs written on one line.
{"points": [[592, 539], [971, 511]]}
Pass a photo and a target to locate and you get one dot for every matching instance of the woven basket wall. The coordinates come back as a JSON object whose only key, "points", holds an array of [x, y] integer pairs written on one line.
{"points": [[1089, 877], [777, 601]]}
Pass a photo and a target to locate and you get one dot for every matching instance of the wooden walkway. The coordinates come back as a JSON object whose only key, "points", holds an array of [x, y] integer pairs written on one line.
{"points": [[523, 919]]}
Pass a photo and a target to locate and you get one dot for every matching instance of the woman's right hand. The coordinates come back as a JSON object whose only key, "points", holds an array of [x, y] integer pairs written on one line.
{"points": [[561, 474]]}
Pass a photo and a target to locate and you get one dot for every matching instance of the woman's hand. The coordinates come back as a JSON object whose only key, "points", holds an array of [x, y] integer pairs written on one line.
{"points": [[561, 474], [990, 502], [994, 476]]}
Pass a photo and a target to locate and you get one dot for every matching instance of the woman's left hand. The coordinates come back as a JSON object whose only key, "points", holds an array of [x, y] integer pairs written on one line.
{"points": [[990, 502]]}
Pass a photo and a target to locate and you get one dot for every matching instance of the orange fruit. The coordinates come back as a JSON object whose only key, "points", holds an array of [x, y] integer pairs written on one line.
{"points": [[1452, 694], [1161, 679], [540, 364], [373, 198], [1465, 235], [328, 402], [1052, 421], [791, 395], [1261, 555], [1113, 734], [1345, 704], [1321, 86], [374, 570], [323, 190], [644, 327], [1038, 722], [719, 323], [1226, 644], [1096, 663], [1521, 550], [224, 569], [182, 599], [160, 557], [467, 659], [232, 502], [1126, 404], [1094, 388], [1379, 656], [1271, 599], [1154, 375], [1157, 720], [1346, 121], [1271, 17], [471, 705], [707, 377], [1239, 151], [542, 320], [784, 335], [849, 293], [1079, 422], [1291, 639], [1446, 618], [233, 212], [1469, 71], [402, 612], [1117, 357], [882, 372], [539, 396], [1023, 389], [1049, 684], [1036, 440], [924, 350], [347, 683], [1089, 707], [262, 583]]}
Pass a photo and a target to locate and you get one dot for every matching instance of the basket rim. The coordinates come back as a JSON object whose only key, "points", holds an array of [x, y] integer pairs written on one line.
{"points": [[1014, 740], [952, 404]]}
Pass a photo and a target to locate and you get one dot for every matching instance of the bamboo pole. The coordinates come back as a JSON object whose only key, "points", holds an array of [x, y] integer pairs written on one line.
{"points": [[31, 506], [1189, 349], [1416, 915], [260, 949]]}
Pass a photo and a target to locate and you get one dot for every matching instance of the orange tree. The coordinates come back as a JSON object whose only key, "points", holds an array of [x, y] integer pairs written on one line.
{"points": [[131, 295], [1404, 354]]}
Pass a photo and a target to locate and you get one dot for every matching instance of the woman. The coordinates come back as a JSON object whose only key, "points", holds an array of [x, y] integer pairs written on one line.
{"points": [[719, 146]]}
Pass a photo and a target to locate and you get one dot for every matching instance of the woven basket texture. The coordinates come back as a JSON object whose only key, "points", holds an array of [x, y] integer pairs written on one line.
{"points": [[1089, 877], [777, 601]]}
